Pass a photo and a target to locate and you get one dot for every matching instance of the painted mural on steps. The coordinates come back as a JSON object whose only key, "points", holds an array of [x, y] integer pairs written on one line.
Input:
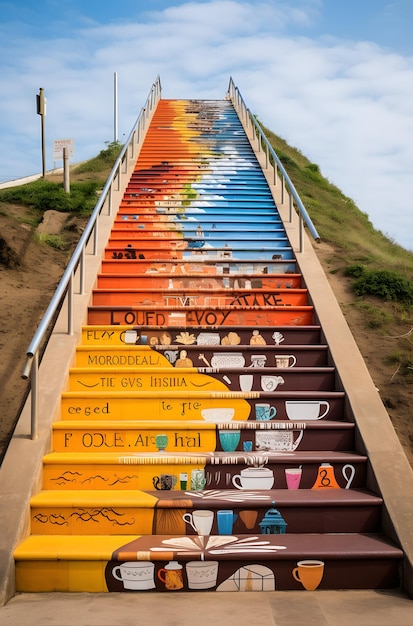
{"points": [[188, 234], [182, 526], [202, 422]]}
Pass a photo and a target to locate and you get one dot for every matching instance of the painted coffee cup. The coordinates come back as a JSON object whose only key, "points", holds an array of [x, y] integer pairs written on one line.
{"points": [[171, 575], [307, 409], [201, 521], [309, 573], [254, 478], [135, 574], [264, 412], [164, 481], [229, 439], [285, 360]]}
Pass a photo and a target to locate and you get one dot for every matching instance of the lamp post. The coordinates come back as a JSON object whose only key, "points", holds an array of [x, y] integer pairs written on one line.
{"points": [[41, 110], [115, 107]]}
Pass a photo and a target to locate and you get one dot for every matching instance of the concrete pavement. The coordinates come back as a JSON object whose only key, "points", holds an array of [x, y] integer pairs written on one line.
{"points": [[280, 608]]}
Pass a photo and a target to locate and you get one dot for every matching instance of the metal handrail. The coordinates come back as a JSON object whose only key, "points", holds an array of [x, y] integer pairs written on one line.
{"points": [[65, 286], [279, 171]]}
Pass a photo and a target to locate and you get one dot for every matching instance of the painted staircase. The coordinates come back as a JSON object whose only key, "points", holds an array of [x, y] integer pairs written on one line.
{"points": [[205, 441]]}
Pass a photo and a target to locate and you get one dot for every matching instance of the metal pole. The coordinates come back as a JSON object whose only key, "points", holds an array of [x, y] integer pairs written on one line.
{"points": [[41, 110], [34, 396], [115, 107], [43, 148], [66, 171]]}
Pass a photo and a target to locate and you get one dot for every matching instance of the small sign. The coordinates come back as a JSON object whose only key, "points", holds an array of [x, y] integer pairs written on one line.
{"points": [[58, 146]]}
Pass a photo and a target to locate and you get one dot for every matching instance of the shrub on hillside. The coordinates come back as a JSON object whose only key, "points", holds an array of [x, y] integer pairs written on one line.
{"points": [[385, 284]]}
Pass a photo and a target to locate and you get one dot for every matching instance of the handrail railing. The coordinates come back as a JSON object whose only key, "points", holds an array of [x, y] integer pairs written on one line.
{"points": [[65, 286], [279, 170]]}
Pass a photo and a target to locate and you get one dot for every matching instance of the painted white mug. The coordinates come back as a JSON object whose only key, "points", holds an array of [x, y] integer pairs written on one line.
{"points": [[201, 574], [306, 409], [254, 478], [201, 521], [135, 574]]}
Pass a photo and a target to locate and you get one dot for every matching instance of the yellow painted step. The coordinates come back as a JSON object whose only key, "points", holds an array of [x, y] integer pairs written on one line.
{"points": [[116, 355], [114, 471], [111, 336], [92, 512], [67, 564], [132, 436], [213, 406], [132, 379]]}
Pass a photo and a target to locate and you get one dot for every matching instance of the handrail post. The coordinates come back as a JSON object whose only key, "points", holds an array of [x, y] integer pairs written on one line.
{"points": [[95, 239], [301, 231], [34, 401], [82, 273], [70, 307]]}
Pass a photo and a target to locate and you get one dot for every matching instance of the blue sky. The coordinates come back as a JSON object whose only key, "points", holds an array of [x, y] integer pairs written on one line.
{"points": [[332, 77]]}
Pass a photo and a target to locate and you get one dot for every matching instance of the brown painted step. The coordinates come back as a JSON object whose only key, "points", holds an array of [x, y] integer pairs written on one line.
{"points": [[226, 338], [192, 266], [348, 561], [303, 510], [253, 357], [171, 512], [230, 378], [190, 316], [134, 436], [325, 469], [202, 296]]}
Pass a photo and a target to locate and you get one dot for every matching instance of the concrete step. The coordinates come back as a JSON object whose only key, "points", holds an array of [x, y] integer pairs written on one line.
{"points": [[204, 296], [214, 563], [201, 280], [206, 266], [217, 338], [206, 378], [326, 470], [161, 512], [128, 354], [123, 249], [197, 405], [210, 317], [133, 436]]}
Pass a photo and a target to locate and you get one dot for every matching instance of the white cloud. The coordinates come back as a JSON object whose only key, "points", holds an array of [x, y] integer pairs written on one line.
{"points": [[347, 105]]}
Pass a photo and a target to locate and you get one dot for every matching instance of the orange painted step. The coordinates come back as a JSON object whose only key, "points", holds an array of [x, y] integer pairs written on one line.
{"points": [[190, 316], [209, 280], [202, 297]]}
